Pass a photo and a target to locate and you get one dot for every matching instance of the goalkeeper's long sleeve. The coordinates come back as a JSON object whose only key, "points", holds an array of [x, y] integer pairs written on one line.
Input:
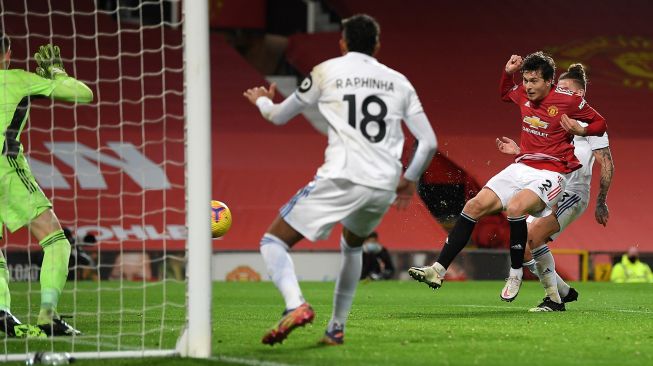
{"points": [[69, 89]]}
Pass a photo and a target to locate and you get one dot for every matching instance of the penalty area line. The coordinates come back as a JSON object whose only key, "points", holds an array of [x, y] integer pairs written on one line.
{"points": [[248, 361]]}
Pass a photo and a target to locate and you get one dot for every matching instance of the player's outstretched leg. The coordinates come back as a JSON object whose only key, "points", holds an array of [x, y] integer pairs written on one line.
{"points": [[282, 272], [433, 275], [54, 271], [343, 295]]}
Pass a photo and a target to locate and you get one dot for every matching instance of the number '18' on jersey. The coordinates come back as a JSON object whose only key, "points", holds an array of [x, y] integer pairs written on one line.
{"points": [[364, 103]]}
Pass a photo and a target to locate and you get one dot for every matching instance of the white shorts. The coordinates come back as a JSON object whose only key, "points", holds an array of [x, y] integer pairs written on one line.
{"points": [[546, 184], [316, 208], [571, 206]]}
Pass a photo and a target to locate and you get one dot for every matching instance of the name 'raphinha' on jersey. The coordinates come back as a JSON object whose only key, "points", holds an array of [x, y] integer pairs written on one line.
{"points": [[367, 82]]}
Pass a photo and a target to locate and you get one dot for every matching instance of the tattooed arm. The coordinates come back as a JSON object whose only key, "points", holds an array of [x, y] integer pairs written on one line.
{"points": [[604, 157]]}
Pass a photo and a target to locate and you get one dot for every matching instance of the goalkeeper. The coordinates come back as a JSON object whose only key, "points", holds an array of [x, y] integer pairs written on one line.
{"points": [[22, 203]]}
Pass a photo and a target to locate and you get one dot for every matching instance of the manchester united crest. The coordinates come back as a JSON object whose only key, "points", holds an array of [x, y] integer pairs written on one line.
{"points": [[624, 60], [552, 111]]}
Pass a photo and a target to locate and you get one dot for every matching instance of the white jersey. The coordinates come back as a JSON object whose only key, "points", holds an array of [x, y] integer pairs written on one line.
{"points": [[584, 146], [364, 103]]}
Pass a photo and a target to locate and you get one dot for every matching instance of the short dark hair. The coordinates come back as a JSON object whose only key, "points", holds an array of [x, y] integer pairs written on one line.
{"points": [[540, 61], [4, 43], [373, 234], [361, 33], [576, 72]]}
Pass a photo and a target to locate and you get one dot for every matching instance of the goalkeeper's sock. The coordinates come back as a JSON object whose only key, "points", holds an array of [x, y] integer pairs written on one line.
{"points": [[5, 296], [281, 269], [350, 273], [54, 271], [547, 269]]}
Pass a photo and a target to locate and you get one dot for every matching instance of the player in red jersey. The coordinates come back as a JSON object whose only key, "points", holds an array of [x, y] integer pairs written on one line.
{"points": [[535, 182], [572, 205]]}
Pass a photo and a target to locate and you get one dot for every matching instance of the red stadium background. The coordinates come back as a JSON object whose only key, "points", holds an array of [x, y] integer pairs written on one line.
{"points": [[453, 53]]}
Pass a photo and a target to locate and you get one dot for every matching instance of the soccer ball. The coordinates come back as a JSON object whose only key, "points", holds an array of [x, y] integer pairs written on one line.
{"points": [[220, 219]]}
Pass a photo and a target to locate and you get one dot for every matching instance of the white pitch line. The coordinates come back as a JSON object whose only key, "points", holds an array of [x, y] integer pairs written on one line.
{"points": [[506, 307], [631, 311], [248, 361], [481, 306]]}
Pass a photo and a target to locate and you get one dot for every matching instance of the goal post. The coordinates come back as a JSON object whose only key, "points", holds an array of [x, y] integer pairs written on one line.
{"points": [[132, 171], [197, 97]]}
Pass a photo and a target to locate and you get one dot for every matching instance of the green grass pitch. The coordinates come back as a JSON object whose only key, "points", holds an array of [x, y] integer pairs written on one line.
{"points": [[392, 323]]}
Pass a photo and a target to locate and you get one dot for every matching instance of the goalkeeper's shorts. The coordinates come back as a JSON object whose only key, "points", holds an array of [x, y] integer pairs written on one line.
{"points": [[21, 198]]}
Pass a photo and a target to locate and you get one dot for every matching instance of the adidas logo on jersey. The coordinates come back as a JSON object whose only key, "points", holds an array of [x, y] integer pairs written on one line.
{"points": [[548, 270]]}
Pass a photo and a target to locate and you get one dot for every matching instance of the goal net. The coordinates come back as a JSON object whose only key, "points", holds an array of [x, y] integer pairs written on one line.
{"points": [[115, 172]]}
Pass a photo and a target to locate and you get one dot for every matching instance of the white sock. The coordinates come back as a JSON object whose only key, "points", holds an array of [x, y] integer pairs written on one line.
{"points": [[547, 269], [518, 272], [281, 269], [563, 287], [350, 273], [439, 269], [531, 266]]}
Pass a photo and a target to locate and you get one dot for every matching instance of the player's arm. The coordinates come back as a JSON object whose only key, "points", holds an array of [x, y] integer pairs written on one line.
{"points": [[604, 157], [420, 127], [507, 87], [62, 87], [597, 124], [278, 114], [69, 89], [507, 146], [308, 93]]}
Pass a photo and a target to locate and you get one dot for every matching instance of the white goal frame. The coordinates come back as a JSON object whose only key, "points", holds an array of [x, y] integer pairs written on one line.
{"points": [[196, 339]]}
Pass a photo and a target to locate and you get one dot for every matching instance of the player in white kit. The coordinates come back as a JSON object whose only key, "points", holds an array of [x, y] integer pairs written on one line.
{"points": [[364, 103], [572, 205]]}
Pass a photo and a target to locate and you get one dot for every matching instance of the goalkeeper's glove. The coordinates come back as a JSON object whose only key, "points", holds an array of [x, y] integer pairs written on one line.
{"points": [[49, 62]]}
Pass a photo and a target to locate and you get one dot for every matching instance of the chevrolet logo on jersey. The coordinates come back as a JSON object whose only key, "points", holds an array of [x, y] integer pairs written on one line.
{"points": [[536, 122]]}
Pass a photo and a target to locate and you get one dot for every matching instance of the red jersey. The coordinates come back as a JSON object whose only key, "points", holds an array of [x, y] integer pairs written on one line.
{"points": [[544, 143]]}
